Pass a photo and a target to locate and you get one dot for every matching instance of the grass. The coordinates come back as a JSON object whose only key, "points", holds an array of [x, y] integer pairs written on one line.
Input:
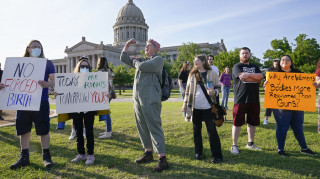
{"points": [[115, 157]]}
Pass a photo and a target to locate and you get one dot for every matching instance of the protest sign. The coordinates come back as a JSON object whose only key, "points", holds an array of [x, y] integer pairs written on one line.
{"points": [[79, 92], [291, 91], [20, 77]]}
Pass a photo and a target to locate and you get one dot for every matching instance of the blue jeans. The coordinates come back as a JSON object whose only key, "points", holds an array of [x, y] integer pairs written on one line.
{"points": [[225, 96], [107, 119], [285, 119], [182, 94]]}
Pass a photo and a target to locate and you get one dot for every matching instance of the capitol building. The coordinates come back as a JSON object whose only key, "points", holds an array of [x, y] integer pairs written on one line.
{"points": [[130, 23]]}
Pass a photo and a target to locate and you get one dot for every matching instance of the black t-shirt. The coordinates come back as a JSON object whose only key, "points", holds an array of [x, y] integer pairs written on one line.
{"points": [[292, 71], [245, 92], [184, 76]]}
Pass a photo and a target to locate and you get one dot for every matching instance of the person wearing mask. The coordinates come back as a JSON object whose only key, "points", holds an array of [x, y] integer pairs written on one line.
{"points": [[183, 78], [84, 120], [268, 110], [199, 109], [225, 81], [147, 101], [40, 118], [103, 67], [246, 78], [289, 118]]}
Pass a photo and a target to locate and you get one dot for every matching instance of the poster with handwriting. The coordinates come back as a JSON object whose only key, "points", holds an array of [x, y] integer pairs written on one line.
{"points": [[291, 91], [20, 77], [79, 92]]}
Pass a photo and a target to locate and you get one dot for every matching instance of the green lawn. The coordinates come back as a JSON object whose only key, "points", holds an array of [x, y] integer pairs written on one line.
{"points": [[115, 157]]}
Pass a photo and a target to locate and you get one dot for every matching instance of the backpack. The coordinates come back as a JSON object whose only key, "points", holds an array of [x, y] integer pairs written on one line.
{"points": [[166, 85]]}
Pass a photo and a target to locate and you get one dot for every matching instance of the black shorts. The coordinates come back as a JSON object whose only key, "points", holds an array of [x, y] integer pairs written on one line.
{"points": [[252, 111], [40, 118]]}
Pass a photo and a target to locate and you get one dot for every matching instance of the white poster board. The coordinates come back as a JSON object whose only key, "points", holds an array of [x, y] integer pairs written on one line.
{"points": [[79, 92], [20, 77]]}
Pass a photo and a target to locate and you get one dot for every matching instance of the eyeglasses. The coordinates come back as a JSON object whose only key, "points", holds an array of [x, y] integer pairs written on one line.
{"points": [[196, 60]]}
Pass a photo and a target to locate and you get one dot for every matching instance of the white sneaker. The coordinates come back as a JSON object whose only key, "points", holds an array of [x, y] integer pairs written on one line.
{"points": [[78, 158], [234, 150], [106, 135], [265, 122], [103, 133], [253, 147], [72, 135], [90, 160]]}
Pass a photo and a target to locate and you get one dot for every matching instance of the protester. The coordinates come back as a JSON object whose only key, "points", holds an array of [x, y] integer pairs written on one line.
{"points": [[1, 118], [147, 101], [268, 110], [246, 78], [317, 84], [73, 134], [103, 67], [210, 59], [86, 118], [199, 109], [40, 118], [225, 80], [183, 78], [289, 118]]}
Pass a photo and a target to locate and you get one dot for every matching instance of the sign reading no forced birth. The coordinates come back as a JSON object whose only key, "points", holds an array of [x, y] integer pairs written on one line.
{"points": [[81, 92], [291, 91]]}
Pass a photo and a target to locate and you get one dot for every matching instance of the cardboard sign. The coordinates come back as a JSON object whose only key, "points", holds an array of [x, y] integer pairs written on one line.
{"points": [[79, 92], [291, 91], [20, 77]]}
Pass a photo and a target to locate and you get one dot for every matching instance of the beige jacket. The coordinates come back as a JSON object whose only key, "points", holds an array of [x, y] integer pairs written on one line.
{"points": [[191, 89]]}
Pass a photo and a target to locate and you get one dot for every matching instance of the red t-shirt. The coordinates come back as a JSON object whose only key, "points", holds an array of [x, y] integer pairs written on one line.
{"points": [[318, 72]]}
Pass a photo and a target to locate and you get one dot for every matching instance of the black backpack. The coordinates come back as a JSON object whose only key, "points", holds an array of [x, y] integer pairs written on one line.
{"points": [[166, 85]]}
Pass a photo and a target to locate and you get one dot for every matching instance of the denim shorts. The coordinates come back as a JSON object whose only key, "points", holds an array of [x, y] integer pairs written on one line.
{"points": [[40, 118]]}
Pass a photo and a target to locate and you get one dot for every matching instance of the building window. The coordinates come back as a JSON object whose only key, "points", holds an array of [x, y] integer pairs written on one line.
{"points": [[174, 56], [127, 35], [175, 83], [134, 35]]}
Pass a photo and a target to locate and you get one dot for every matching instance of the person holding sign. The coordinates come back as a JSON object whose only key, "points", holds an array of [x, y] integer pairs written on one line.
{"points": [[289, 118], [86, 118], [199, 109], [147, 101], [103, 67], [40, 118], [246, 79]]}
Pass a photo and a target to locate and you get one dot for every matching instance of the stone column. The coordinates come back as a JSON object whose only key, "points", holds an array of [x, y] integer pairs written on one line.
{"points": [[69, 65], [94, 61]]}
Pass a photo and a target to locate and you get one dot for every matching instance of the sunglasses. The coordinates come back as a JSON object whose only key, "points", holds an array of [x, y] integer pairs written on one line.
{"points": [[84, 66]]}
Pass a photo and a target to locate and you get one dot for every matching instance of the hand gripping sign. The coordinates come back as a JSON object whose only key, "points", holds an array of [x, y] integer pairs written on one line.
{"points": [[81, 92], [291, 91], [20, 78]]}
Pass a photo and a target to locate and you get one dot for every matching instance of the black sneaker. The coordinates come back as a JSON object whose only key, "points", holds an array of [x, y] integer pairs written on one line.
{"points": [[162, 165], [309, 152], [216, 160], [282, 153], [146, 158], [198, 156], [46, 157], [21, 162]]}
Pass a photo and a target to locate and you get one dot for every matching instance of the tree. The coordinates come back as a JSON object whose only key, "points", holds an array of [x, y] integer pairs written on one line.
{"points": [[304, 55], [186, 53], [122, 76], [228, 59]]}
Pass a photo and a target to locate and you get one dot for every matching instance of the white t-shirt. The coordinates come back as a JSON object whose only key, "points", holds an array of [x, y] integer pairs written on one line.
{"points": [[200, 100], [215, 69]]}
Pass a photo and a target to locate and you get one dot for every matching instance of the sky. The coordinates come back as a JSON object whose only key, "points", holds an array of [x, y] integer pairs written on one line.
{"points": [[61, 23]]}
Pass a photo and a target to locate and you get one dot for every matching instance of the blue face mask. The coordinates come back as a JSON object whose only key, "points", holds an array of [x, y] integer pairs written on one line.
{"points": [[84, 70], [36, 52]]}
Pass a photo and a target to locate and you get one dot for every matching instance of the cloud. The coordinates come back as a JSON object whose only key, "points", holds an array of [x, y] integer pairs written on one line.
{"points": [[241, 12]]}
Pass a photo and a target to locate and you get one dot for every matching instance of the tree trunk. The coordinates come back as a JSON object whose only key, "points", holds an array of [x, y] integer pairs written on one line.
{"points": [[123, 88], [119, 89]]}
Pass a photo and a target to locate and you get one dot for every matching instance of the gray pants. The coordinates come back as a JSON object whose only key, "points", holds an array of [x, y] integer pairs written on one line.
{"points": [[149, 126]]}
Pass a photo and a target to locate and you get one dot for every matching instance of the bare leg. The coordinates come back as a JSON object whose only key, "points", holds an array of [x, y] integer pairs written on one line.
{"points": [[235, 134], [45, 141], [251, 132], [25, 141]]}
